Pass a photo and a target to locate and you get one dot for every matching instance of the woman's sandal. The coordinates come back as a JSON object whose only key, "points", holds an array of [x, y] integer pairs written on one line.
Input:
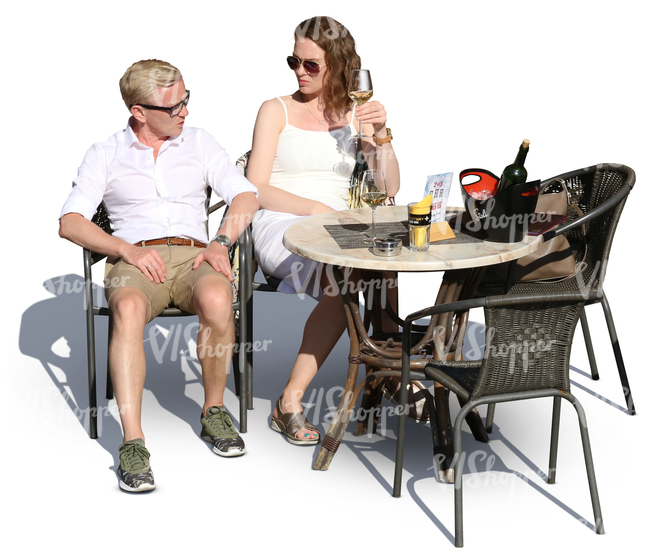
{"points": [[290, 423]]}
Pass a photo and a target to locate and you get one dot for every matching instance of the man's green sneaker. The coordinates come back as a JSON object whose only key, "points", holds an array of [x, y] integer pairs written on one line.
{"points": [[219, 430], [134, 471]]}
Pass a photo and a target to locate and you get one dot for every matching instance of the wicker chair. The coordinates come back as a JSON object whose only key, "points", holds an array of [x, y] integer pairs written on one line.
{"points": [[240, 288], [526, 356], [601, 192]]}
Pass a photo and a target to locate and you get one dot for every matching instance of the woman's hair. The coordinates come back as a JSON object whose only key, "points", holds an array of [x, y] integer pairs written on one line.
{"points": [[144, 77], [340, 56]]}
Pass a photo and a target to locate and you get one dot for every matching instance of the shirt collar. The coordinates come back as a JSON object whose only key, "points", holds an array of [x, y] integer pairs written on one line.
{"points": [[130, 138], [129, 135]]}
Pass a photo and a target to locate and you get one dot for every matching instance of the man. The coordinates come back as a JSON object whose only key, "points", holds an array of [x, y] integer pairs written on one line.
{"points": [[153, 178]]}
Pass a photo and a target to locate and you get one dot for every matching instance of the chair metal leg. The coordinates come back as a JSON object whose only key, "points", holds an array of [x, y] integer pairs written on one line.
{"points": [[240, 367], [109, 381], [489, 420], [90, 346], [245, 329], [589, 345], [235, 367], [458, 473], [589, 464], [555, 433], [618, 355], [248, 307]]}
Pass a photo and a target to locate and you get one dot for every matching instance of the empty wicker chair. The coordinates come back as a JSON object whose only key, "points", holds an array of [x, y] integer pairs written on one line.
{"points": [[526, 356]]}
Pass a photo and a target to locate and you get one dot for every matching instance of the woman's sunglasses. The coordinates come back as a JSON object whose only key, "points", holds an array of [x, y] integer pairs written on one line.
{"points": [[311, 67]]}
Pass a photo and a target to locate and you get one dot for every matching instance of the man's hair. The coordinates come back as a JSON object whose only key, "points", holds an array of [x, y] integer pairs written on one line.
{"points": [[340, 56], [144, 77]]}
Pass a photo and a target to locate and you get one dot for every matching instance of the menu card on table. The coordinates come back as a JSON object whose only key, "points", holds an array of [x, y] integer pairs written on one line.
{"points": [[438, 185]]}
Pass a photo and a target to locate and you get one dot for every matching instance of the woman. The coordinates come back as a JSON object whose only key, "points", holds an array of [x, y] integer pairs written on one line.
{"points": [[303, 154]]}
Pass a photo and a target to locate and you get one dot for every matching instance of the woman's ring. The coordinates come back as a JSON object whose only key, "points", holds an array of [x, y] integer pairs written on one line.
{"points": [[149, 266]]}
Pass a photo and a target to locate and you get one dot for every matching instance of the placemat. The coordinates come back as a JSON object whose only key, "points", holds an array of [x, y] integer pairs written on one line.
{"points": [[350, 236]]}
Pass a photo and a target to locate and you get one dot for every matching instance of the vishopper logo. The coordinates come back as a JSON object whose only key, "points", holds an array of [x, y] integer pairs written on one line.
{"points": [[483, 219], [63, 286], [187, 332], [331, 398], [325, 26], [162, 84], [374, 288], [482, 464], [522, 351], [58, 411]]}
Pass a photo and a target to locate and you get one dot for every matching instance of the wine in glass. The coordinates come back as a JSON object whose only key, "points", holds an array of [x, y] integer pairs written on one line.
{"points": [[360, 90], [373, 194]]}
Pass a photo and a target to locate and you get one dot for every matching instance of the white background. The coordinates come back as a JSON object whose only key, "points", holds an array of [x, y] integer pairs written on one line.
{"points": [[463, 83]]}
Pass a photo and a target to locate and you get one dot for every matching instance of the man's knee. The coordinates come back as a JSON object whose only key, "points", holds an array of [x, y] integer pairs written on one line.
{"points": [[213, 300], [129, 305]]}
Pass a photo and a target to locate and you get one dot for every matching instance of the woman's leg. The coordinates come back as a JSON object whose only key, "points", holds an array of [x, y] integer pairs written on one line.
{"points": [[322, 331]]}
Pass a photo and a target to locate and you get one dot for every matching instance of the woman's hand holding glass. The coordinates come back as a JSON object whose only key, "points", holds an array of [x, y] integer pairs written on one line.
{"points": [[372, 113]]}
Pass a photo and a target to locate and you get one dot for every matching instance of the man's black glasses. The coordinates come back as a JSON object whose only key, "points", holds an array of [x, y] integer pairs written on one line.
{"points": [[173, 111]]}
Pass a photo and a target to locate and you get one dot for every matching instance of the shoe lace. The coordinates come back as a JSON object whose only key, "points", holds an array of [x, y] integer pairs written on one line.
{"points": [[221, 422], [135, 456]]}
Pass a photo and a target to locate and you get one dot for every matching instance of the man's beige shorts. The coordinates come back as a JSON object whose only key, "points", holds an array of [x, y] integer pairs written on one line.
{"points": [[178, 287]]}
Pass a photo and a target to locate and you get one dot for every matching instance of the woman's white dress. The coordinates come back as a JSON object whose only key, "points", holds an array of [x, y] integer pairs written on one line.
{"points": [[315, 165]]}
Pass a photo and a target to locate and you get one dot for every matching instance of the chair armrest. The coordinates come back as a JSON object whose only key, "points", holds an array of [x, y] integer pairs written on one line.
{"points": [[216, 207], [510, 299], [598, 211]]}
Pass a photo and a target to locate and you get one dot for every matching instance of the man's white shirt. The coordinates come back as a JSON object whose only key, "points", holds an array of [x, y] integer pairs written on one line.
{"points": [[146, 198]]}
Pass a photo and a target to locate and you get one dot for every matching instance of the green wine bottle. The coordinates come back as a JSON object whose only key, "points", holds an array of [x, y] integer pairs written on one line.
{"points": [[515, 173]]}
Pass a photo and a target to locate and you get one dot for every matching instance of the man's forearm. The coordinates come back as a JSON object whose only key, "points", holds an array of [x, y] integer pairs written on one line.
{"points": [[240, 214], [79, 230]]}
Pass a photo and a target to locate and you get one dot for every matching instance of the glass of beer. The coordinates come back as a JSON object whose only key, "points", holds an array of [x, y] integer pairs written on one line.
{"points": [[419, 226]]}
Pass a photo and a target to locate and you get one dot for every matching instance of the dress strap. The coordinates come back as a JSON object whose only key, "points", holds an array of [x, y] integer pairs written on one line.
{"points": [[286, 113]]}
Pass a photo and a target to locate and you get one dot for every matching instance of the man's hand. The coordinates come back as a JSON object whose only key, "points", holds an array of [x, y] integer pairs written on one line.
{"points": [[217, 256], [148, 261]]}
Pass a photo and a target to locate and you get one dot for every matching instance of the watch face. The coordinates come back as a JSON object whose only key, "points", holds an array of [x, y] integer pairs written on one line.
{"points": [[223, 240]]}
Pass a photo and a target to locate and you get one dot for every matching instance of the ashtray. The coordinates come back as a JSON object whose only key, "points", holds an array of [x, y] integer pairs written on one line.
{"points": [[387, 247]]}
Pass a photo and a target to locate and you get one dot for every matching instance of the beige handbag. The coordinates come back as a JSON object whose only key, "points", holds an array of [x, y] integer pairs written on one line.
{"points": [[554, 260]]}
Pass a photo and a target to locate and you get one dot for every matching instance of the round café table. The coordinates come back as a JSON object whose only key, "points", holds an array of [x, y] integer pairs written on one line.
{"points": [[462, 260]]}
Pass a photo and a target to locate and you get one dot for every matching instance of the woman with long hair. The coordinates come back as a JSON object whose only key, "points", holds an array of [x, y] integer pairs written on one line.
{"points": [[304, 151]]}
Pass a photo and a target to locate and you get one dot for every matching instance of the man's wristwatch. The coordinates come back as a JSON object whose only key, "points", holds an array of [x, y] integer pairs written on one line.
{"points": [[222, 239], [382, 141]]}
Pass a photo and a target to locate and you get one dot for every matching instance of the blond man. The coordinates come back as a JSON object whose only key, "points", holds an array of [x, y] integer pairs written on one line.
{"points": [[153, 178]]}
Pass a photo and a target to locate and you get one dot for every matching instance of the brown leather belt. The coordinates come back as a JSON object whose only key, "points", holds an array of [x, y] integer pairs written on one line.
{"points": [[171, 241]]}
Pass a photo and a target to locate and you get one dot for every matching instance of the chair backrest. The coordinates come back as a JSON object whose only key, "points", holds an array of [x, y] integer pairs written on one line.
{"points": [[590, 188], [527, 346]]}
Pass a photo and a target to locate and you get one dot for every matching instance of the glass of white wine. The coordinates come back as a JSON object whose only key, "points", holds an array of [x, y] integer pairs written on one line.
{"points": [[360, 90], [373, 194]]}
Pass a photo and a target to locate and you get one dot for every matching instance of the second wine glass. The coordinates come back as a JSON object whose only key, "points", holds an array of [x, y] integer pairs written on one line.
{"points": [[360, 91], [373, 194]]}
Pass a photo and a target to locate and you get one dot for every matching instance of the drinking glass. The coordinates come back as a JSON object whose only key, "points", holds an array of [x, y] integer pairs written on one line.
{"points": [[360, 90], [373, 194]]}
